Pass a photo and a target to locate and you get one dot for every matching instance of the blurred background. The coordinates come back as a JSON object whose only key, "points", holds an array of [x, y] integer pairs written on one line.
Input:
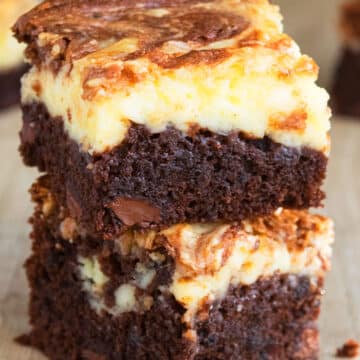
{"points": [[314, 25]]}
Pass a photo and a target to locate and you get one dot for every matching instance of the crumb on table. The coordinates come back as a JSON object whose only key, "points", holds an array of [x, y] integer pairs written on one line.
{"points": [[350, 349]]}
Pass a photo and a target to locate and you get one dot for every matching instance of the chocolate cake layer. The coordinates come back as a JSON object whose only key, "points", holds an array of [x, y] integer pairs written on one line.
{"points": [[346, 87], [10, 86], [156, 180], [273, 318]]}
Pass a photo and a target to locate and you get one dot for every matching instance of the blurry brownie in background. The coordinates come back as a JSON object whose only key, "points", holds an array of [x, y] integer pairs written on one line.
{"points": [[12, 65], [247, 290], [346, 86]]}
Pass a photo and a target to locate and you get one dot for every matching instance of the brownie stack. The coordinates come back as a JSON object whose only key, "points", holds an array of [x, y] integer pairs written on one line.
{"points": [[182, 143], [346, 87]]}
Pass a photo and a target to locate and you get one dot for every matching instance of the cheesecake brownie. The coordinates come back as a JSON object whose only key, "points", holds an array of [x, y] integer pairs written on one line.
{"points": [[12, 65], [152, 113], [346, 87], [245, 290]]}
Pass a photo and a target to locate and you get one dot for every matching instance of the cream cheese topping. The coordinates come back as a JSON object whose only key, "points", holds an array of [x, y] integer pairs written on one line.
{"points": [[223, 98]]}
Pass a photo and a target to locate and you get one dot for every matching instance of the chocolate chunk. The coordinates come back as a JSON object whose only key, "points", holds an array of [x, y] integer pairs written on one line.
{"points": [[132, 212]]}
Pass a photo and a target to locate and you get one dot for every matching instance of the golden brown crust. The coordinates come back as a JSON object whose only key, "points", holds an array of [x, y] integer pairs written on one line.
{"points": [[110, 77], [70, 30], [133, 212], [296, 121]]}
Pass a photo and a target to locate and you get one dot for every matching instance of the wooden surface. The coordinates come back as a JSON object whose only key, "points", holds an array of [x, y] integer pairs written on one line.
{"points": [[341, 312]]}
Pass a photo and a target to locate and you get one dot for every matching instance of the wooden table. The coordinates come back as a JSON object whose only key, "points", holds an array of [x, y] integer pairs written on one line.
{"points": [[341, 313]]}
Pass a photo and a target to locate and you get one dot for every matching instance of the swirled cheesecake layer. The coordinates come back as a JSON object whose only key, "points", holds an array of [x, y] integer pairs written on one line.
{"points": [[223, 65], [211, 258]]}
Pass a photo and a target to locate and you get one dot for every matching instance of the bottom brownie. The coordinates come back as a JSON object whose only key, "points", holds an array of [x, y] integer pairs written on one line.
{"points": [[10, 86], [249, 290], [346, 88], [272, 319]]}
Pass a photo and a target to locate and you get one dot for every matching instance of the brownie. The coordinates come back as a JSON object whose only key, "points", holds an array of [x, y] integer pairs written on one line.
{"points": [[136, 297], [149, 114], [156, 180]]}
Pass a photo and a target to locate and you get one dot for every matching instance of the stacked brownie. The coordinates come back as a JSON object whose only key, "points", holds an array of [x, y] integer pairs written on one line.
{"points": [[12, 64], [182, 143], [346, 87]]}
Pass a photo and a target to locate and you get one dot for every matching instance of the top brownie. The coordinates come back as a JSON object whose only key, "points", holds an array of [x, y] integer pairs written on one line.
{"points": [[150, 113]]}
